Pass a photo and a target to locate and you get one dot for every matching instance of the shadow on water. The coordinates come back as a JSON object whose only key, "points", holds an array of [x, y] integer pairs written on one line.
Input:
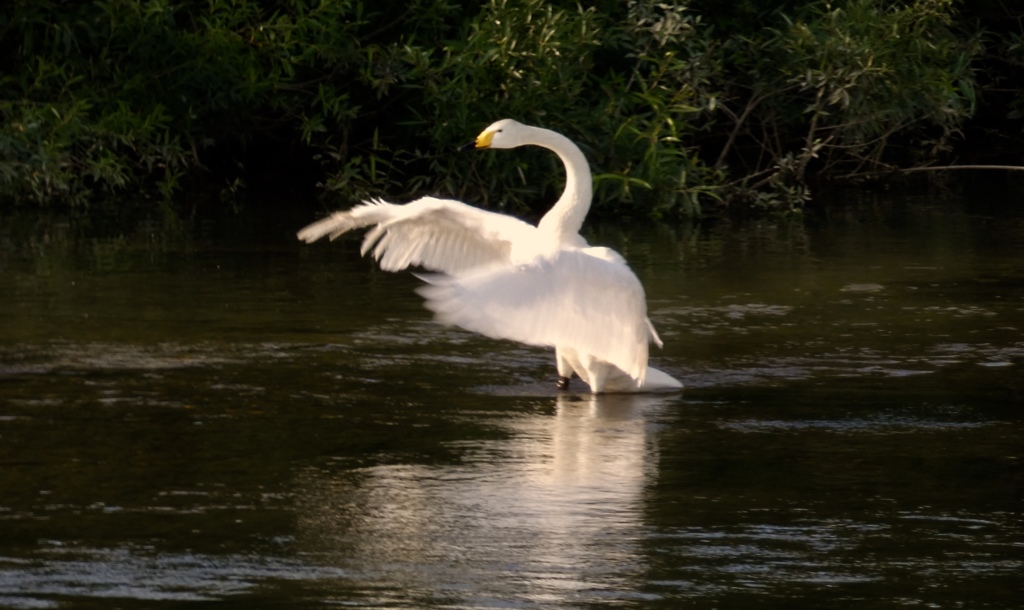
{"points": [[200, 416]]}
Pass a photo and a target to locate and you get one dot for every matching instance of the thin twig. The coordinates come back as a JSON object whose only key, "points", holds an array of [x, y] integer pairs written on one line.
{"points": [[1011, 168], [938, 168], [739, 121]]}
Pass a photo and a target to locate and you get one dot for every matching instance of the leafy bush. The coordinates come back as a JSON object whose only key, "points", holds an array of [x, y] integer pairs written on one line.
{"points": [[680, 105], [114, 93]]}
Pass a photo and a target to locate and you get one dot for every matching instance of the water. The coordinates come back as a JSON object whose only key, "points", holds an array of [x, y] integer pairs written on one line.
{"points": [[231, 418]]}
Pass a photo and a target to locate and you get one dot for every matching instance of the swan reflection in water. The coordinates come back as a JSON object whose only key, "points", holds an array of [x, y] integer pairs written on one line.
{"points": [[551, 514]]}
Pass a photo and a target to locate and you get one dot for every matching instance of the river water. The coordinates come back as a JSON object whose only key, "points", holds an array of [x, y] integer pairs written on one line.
{"points": [[193, 416]]}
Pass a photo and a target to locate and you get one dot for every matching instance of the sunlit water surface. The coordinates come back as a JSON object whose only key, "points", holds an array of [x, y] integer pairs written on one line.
{"points": [[238, 419]]}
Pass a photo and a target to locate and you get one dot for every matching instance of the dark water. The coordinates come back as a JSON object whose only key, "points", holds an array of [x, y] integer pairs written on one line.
{"points": [[235, 419]]}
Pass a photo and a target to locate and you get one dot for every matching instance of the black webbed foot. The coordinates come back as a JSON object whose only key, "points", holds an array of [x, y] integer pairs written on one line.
{"points": [[562, 383]]}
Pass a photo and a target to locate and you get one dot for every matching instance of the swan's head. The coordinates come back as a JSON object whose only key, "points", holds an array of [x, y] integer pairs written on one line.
{"points": [[506, 133]]}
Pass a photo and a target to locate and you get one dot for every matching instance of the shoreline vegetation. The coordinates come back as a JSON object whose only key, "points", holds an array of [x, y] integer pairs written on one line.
{"points": [[685, 108]]}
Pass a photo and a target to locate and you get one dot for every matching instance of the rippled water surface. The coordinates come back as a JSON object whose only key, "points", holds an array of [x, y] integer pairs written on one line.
{"points": [[231, 418]]}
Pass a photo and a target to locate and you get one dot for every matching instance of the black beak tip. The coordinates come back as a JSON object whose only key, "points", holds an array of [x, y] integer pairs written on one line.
{"points": [[467, 146]]}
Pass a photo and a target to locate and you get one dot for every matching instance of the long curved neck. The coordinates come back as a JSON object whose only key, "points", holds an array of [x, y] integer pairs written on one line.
{"points": [[565, 218]]}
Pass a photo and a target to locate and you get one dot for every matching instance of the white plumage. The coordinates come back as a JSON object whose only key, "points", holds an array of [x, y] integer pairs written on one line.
{"points": [[437, 234], [507, 279]]}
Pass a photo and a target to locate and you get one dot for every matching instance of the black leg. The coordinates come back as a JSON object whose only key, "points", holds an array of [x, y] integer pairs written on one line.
{"points": [[562, 383]]}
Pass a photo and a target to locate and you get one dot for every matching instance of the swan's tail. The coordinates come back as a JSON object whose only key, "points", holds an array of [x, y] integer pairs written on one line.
{"points": [[657, 381], [363, 215]]}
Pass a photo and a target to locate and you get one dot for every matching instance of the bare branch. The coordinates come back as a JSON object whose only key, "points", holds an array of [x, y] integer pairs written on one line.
{"points": [[938, 168]]}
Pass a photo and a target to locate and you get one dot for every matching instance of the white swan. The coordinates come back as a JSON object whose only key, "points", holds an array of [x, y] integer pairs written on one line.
{"points": [[507, 279]]}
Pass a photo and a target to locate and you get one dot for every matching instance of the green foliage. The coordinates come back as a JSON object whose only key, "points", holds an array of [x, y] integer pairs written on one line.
{"points": [[681, 107], [843, 89], [873, 70], [105, 95], [657, 108]]}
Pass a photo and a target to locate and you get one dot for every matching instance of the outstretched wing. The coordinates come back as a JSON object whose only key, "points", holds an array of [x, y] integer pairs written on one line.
{"points": [[573, 299], [437, 234]]}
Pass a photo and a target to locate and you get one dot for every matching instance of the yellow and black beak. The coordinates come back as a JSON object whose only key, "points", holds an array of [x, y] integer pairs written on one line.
{"points": [[482, 141]]}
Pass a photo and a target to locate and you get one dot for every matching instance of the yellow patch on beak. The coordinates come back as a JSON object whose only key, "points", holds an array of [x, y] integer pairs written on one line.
{"points": [[484, 139]]}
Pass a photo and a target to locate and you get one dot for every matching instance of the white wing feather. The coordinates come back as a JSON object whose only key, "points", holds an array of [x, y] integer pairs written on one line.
{"points": [[573, 298], [436, 234]]}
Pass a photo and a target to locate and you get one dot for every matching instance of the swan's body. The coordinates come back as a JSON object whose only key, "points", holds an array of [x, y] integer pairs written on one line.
{"points": [[507, 279]]}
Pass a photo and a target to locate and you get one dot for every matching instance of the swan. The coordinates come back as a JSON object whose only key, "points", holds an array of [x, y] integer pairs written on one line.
{"points": [[507, 279]]}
